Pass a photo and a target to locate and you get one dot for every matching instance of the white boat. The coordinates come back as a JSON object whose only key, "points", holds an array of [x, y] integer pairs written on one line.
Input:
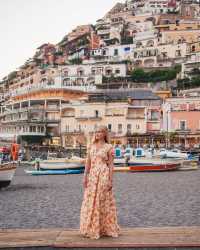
{"points": [[175, 153], [7, 171], [62, 163]]}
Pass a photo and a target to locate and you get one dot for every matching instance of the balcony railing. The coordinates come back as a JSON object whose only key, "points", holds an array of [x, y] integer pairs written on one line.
{"points": [[88, 118], [73, 131], [22, 110], [185, 131], [39, 87], [114, 115], [135, 117], [153, 120]]}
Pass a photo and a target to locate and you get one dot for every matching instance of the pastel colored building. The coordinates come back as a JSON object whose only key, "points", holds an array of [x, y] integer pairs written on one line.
{"points": [[181, 117], [179, 36], [130, 115]]}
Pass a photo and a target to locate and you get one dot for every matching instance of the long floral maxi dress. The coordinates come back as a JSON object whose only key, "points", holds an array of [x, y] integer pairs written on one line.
{"points": [[98, 211]]}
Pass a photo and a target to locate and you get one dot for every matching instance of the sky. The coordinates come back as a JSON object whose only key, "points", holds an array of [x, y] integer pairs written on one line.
{"points": [[27, 24]]}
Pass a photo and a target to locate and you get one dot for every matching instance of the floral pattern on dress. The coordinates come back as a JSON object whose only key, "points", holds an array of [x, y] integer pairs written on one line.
{"points": [[98, 215]]}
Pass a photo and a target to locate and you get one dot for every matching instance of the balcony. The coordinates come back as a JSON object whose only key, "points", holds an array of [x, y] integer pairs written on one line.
{"points": [[117, 134], [26, 131], [135, 117], [50, 120], [89, 118], [19, 120], [40, 87], [32, 133], [23, 110], [53, 107], [103, 31], [153, 120], [183, 131], [114, 115], [73, 132]]}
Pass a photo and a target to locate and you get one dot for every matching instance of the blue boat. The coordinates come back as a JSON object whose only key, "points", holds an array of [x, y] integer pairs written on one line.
{"points": [[54, 172]]}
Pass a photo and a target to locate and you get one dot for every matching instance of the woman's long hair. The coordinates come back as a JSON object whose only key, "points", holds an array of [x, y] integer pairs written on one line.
{"points": [[102, 129]]}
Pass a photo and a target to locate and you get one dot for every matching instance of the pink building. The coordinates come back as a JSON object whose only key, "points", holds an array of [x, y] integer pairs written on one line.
{"points": [[181, 119]]}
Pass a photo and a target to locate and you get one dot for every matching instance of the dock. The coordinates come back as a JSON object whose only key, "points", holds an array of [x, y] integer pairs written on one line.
{"points": [[130, 238]]}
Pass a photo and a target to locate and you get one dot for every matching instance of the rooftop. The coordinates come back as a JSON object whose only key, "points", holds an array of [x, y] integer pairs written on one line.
{"points": [[123, 94]]}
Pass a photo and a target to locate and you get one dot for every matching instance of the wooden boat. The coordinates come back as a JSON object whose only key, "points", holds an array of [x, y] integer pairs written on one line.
{"points": [[7, 171], [153, 167], [54, 172]]}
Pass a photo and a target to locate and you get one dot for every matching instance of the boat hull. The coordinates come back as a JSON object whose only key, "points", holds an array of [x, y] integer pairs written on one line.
{"points": [[55, 172], [60, 165], [154, 167], [4, 184], [7, 172]]}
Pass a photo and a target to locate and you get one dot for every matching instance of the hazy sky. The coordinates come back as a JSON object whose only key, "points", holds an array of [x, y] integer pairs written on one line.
{"points": [[26, 24]]}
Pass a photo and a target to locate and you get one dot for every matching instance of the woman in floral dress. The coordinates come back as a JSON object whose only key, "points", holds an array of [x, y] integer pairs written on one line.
{"points": [[98, 211]]}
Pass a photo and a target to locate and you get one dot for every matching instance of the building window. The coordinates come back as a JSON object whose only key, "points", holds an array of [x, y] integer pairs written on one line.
{"points": [[129, 127], [137, 126], [182, 125], [80, 72], [193, 48], [66, 82], [67, 128], [117, 71], [127, 49], [178, 52], [96, 113], [120, 128], [66, 73], [116, 53], [108, 72], [109, 127], [154, 115]]}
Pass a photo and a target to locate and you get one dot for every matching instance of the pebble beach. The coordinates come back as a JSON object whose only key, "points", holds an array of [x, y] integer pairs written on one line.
{"points": [[143, 200]]}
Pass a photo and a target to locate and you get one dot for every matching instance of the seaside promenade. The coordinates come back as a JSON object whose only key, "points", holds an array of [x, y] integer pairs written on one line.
{"points": [[155, 211], [136, 238]]}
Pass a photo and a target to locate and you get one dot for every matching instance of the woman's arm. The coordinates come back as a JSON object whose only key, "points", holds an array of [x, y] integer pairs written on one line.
{"points": [[111, 165]]}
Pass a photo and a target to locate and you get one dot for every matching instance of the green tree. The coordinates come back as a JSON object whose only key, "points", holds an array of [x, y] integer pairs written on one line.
{"points": [[76, 61], [138, 75]]}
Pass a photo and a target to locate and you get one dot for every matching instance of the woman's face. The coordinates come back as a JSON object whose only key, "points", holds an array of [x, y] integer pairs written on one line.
{"points": [[99, 135]]}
